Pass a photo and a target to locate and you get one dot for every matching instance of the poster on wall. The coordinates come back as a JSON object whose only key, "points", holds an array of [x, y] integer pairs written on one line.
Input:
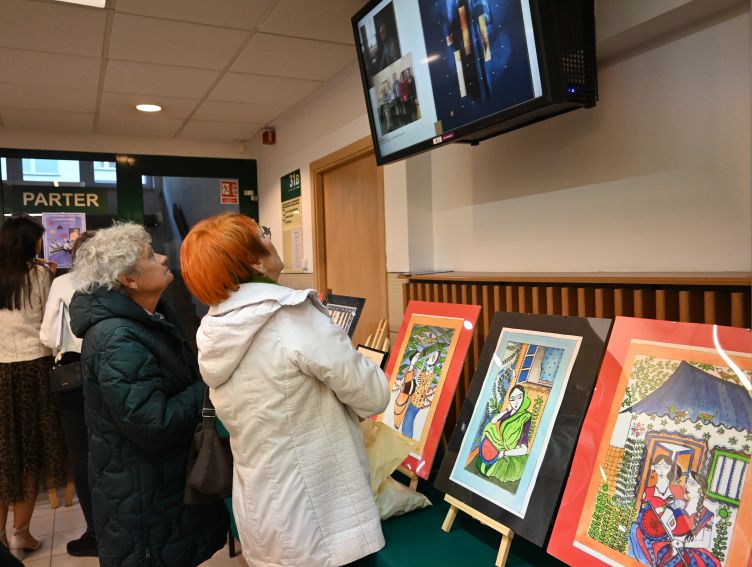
{"points": [[510, 451], [229, 193], [423, 370], [61, 232], [292, 222], [661, 471]]}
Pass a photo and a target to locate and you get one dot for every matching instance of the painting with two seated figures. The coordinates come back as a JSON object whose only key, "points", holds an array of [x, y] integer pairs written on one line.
{"points": [[661, 473]]}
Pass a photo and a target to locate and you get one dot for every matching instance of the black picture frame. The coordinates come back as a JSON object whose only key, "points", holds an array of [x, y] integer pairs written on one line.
{"points": [[542, 505], [351, 307], [378, 356]]}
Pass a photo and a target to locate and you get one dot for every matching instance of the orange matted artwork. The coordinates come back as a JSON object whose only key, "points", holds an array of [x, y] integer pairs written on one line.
{"points": [[423, 370], [661, 472]]}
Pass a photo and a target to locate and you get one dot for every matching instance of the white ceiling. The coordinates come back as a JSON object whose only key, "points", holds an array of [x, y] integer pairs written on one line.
{"points": [[221, 69]]}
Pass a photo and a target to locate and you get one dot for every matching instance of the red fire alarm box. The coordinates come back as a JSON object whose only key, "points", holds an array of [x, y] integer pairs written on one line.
{"points": [[269, 136]]}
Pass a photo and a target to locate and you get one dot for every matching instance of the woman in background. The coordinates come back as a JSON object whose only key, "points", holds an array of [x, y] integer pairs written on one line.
{"points": [[142, 400], [32, 448], [70, 403], [289, 386]]}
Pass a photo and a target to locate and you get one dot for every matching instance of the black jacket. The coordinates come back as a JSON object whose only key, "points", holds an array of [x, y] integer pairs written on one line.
{"points": [[143, 398]]}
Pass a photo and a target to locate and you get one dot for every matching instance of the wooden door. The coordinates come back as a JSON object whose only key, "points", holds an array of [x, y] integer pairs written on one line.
{"points": [[354, 249]]}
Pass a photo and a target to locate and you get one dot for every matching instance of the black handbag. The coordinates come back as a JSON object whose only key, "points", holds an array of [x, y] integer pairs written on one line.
{"points": [[209, 471], [64, 376]]}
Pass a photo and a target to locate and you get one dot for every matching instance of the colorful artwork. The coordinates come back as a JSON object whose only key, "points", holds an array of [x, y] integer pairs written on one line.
{"points": [[345, 311], [61, 231], [661, 471], [510, 451], [423, 372], [511, 424]]}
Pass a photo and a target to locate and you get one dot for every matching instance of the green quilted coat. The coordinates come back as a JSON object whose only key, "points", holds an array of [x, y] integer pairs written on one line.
{"points": [[143, 398]]}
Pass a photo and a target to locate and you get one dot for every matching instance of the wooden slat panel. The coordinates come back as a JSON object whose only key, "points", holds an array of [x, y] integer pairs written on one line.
{"points": [[685, 312], [445, 293], [524, 299], [568, 301], [539, 300], [497, 303], [660, 304], [455, 292], [488, 308], [737, 309], [509, 303], [553, 301], [436, 293], [709, 299]]}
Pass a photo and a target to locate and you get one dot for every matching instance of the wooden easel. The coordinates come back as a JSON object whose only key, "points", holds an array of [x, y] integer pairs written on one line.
{"points": [[411, 475], [380, 340], [506, 533]]}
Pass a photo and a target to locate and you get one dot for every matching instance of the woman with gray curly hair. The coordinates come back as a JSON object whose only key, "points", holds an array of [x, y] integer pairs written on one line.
{"points": [[142, 398]]}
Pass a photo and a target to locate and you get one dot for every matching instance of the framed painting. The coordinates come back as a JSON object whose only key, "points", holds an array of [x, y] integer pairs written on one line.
{"points": [[378, 356], [661, 471], [423, 369], [345, 311], [510, 451]]}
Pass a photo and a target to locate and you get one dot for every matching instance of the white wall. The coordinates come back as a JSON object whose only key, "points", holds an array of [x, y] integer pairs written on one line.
{"points": [[332, 118], [655, 178]]}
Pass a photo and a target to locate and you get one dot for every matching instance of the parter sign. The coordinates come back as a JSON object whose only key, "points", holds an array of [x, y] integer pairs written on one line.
{"points": [[48, 200]]}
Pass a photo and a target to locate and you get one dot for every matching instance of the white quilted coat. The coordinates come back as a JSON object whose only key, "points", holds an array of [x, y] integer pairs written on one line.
{"points": [[287, 384]]}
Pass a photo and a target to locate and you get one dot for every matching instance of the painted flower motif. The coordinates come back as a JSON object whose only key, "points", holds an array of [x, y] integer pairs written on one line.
{"points": [[638, 429], [723, 512]]}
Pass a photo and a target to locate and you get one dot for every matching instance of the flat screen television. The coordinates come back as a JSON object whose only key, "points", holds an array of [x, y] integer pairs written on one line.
{"points": [[439, 71]]}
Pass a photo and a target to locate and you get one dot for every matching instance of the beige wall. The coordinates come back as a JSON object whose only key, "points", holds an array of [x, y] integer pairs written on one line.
{"points": [[655, 178]]}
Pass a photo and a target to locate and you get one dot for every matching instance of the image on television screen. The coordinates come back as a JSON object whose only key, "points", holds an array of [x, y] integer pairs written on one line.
{"points": [[396, 95], [379, 41], [480, 58]]}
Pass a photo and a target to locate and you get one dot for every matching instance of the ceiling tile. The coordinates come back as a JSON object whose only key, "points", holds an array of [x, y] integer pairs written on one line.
{"points": [[48, 121], [327, 20], [242, 14], [231, 111], [282, 56], [125, 104], [235, 87], [147, 79], [136, 38], [139, 125], [58, 28], [33, 98], [49, 69], [219, 131]]}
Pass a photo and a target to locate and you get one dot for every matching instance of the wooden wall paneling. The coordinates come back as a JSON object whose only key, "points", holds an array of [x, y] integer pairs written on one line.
{"points": [[436, 292], [709, 301], [497, 301], [568, 301], [509, 298], [660, 304], [738, 311], [538, 300], [488, 308]]}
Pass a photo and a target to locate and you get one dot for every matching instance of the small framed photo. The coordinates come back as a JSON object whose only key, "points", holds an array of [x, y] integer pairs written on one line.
{"points": [[378, 356]]}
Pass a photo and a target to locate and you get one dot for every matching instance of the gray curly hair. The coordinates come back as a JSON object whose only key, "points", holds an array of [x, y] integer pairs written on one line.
{"points": [[110, 253]]}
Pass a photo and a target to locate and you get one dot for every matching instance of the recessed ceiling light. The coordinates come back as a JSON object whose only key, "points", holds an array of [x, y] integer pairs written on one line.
{"points": [[93, 3], [148, 107]]}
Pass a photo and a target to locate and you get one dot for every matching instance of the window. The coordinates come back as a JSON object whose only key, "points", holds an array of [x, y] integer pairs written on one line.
{"points": [[104, 172], [51, 170], [727, 475], [527, 363]]}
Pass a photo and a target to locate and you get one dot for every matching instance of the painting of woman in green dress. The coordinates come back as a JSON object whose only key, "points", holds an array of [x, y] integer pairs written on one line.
{"points": [[504, 446]]}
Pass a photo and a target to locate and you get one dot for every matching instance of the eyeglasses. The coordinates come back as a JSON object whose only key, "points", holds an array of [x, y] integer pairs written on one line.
{"points": [[266, 232]]}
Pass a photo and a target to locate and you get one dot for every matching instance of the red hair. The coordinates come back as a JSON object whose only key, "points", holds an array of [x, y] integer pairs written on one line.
{"points": [[217, 254]]}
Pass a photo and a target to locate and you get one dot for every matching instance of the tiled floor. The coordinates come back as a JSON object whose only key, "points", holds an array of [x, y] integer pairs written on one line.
{"points": [[55, 528]]}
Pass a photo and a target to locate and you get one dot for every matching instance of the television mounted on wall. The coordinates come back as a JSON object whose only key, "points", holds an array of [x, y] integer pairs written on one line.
{"points": [[441, 71]]}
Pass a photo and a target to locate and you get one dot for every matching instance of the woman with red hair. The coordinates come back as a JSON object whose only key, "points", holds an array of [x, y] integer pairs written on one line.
{"points": [[289, 387]]}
